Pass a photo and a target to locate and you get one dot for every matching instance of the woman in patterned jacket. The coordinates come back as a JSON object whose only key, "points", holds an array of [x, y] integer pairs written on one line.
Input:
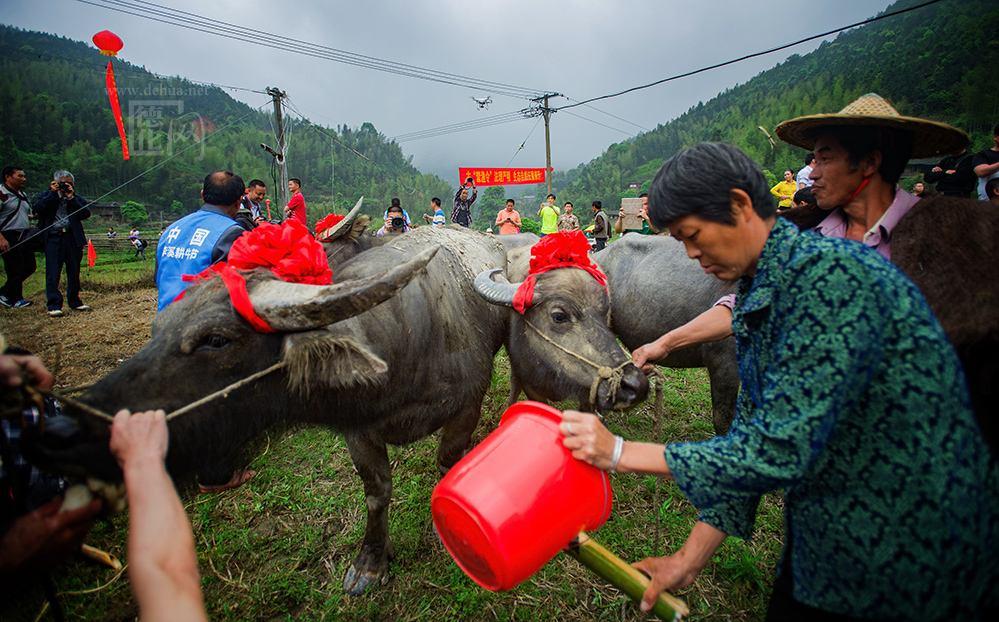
{"points": [[853, 403]]}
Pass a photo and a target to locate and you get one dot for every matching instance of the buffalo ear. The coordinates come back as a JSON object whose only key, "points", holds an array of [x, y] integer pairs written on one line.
{"points": [[320, 359]]}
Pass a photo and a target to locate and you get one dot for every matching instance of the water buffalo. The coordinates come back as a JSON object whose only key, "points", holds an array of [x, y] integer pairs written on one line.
{"points": [[436, 338], [655, 288], [574, 311], [543, 371]]}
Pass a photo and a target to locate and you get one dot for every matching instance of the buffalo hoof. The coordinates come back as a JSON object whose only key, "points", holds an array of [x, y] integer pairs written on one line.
{"points": [[369, 569]]}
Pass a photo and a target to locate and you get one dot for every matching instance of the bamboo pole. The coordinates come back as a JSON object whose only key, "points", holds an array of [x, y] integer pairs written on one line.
{"points": [[623, 576]]}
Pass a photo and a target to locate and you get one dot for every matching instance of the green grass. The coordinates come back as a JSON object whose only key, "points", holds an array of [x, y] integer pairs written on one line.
{"points": [[277, 548], [113, 271]]}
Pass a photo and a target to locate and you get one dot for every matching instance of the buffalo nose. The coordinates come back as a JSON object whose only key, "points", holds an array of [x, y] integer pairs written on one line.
{"points": [[634, 385]]}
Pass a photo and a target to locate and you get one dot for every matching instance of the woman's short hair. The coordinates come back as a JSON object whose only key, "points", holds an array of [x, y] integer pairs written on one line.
{"points": [[697, 182]]}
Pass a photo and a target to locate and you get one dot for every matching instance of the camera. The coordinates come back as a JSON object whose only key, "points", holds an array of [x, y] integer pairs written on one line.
{"points": [[65, 186], [398, 222]]}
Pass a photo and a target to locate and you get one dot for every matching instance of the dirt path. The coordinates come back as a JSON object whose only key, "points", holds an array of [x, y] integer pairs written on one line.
{"points": [[94, 342]]}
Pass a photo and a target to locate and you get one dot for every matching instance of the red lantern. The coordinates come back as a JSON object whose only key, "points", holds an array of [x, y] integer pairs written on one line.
{"points": [[108, 43]]}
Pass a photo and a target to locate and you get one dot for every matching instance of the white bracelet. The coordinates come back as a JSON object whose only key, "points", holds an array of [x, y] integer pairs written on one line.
{"points": [[616, 456]]}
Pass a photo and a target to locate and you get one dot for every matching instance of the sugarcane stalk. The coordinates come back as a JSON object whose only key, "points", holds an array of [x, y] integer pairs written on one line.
{"points": [[99, 556], [623, 576]]}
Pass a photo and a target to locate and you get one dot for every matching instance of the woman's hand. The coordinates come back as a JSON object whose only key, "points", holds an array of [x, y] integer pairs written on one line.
{"points": [[644, 356], [587, 438], [672, 572]]}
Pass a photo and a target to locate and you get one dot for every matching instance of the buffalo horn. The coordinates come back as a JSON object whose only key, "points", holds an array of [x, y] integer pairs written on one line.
{"points": [[497, 293], [344, 225], [289, 307]]}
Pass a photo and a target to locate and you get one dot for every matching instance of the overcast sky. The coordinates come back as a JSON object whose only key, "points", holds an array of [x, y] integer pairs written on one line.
{"points": [[581, 49]]}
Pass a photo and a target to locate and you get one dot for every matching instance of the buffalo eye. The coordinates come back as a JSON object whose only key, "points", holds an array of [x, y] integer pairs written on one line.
{"points": [[559, 316], [212, 342]]}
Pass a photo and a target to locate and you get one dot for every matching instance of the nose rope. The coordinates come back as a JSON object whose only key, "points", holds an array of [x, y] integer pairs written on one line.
{"points": [[614, 376], [183, 410]]}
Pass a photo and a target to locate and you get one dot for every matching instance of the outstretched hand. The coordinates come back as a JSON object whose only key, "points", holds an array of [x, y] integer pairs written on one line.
{"points": [[644, 356], [139, 437], [672, 572]]}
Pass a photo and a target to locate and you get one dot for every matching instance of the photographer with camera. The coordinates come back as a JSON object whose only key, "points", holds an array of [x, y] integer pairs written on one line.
{"points": [[462, 213], [61, 213], [396, 221]]}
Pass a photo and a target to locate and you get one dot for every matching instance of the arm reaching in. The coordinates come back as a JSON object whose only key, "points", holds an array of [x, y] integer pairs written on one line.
{"points": [[162, 564], [714, 324]]}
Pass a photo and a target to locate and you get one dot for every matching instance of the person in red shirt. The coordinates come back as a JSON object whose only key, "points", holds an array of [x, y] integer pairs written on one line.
{"points": [[296, 206]]}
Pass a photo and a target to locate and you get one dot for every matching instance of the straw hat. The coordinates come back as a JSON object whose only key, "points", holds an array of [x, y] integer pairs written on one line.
{"points": [[929, 138]]}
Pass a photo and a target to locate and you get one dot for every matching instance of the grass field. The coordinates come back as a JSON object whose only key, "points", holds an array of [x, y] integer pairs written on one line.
{"points": [[277, 548]]}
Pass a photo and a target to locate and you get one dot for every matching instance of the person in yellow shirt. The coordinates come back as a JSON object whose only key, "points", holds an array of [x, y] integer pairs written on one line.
{"points": [[549, 216], [784, 190]]}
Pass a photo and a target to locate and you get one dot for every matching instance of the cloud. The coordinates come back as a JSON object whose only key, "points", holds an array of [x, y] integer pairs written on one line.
{"points": [[577, 48]]}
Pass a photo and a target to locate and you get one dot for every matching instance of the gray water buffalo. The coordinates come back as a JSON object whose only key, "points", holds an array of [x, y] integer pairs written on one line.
{"points": [[561, 347], [430, 334], [655, 288]]}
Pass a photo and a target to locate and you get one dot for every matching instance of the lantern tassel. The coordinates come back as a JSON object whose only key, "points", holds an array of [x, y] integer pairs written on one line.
{"points": [[116, 108]]}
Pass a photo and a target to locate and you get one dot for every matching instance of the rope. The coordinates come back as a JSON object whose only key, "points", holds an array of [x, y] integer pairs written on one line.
{"points": [[657, 414], [613, 376], [183, 410]]}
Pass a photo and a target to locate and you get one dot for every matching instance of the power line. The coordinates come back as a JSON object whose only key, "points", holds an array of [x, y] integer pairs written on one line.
{"points": [[462, 129], [199, 23], [323, 131], [521, 147], [506, 116], [612, 115], [753, 55], [610, 127]]}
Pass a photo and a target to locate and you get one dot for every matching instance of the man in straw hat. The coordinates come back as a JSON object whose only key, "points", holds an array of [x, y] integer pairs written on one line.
{"points": [[945, 245]]}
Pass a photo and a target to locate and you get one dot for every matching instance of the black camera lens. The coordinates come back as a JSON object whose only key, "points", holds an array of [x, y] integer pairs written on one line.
{"points": [[398, 222]]}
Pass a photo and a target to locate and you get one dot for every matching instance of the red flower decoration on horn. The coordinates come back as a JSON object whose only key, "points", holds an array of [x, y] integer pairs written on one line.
{"points": [[288, 250], [566, 249], [328, 222]]}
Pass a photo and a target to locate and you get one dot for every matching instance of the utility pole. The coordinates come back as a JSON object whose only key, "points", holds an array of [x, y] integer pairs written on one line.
{"points": [[547, 113], [332, 175], [281, 192], [548, 145]]}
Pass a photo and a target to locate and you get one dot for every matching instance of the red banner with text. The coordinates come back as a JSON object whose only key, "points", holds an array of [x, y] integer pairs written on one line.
{"points": [[485, 176]]}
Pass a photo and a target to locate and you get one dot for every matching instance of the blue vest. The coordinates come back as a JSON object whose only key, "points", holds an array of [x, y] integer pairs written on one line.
{"points": [[186, 248]]}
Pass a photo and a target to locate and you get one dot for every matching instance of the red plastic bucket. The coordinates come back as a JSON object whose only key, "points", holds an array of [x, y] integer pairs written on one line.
{"points": [[517, 499]]}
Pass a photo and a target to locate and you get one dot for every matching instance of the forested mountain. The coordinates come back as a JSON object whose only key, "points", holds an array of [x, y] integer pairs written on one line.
{"points": [[939, 62], [54, 114]]}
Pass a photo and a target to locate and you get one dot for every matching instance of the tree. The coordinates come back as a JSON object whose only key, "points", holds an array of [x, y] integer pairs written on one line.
{"points": [[529, 225], [134, 212], [176, 207]]}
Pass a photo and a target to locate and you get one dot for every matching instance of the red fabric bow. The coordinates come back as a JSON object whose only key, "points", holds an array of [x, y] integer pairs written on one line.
{"points": [[288, 250], [566, 249], [328, 222]]}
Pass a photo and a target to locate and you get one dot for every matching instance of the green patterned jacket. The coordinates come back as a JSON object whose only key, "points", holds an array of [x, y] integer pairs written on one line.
{"points": [[854, 404]]}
